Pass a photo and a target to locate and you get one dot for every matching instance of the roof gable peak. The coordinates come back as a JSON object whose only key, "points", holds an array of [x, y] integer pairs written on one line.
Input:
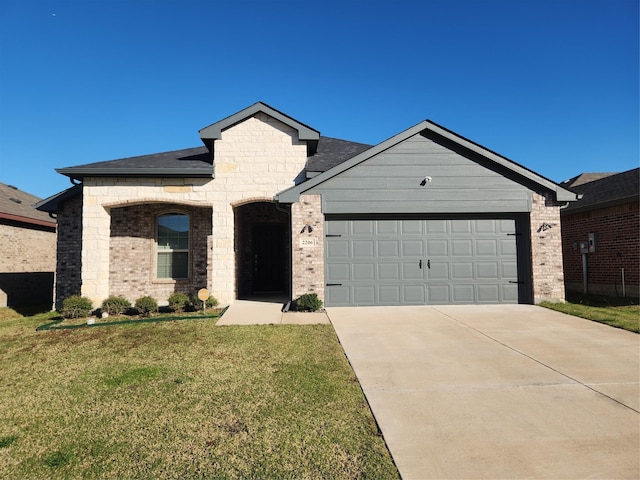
{"points": [[213, 132]]}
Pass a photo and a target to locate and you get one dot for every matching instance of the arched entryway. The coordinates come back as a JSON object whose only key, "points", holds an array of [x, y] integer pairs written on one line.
{"points": [[262, 246]]}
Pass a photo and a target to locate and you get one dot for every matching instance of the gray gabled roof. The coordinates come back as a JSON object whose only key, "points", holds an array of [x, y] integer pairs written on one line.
{"points": [[52, 203], [190, 162], [562, 194], [213, 132], [19, 206], [605, 191]]}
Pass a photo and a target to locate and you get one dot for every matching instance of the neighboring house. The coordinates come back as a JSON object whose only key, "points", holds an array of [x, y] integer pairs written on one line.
{"points": [[27, 250], [610, 210], [267, 205]]}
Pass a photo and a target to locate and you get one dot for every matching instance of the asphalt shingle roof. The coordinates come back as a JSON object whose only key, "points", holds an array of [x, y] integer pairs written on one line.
{"points": [[185, 162], [332, 152], [606, 190], [19, 206]]}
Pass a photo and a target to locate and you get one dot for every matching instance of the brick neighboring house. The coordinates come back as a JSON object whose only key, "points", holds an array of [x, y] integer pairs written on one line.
{"points": [[610, 209], [269, 206], [27, 250]]}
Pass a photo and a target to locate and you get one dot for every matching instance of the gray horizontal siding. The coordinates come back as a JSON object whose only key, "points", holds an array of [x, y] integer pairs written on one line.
{"points": [[391, 183]]}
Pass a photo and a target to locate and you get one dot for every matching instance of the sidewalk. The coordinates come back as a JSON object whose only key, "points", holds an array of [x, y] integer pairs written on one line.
{"points": [[252, 312]]}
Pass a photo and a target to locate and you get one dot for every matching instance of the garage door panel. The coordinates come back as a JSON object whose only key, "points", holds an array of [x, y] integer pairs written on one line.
{"points": [[487, 270], [337, 227], [412, 227], [387, 227], [507, 246], [463, 293], [438, 271], [435, 227], [389, 295], [486, 247], [338, 295], [461, 226], [462, 248], [439, 294], [413, 248], [485, 226], [389, 248], [412, 271], [338, 249], [413, 294], [363, 248], [363, 272], [338, 272], [509, 270], [437, 248], [509, 293], [389, 272], [364, 294], [363, 227], [442, 261], [462, 271]]}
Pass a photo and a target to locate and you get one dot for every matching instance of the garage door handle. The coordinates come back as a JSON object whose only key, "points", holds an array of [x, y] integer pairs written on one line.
{"points": [[515, 281], [334, 285], [420, 264]]}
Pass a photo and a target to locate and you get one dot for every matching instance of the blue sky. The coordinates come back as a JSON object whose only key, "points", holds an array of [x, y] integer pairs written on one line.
{"points": [[550, 84]]}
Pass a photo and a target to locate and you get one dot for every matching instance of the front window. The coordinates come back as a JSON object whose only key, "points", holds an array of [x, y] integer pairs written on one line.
{"points": [[173, 246]]}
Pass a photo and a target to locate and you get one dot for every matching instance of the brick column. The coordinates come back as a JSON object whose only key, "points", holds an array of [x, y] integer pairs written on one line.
{"points": [[307, 269], [546, 250]]}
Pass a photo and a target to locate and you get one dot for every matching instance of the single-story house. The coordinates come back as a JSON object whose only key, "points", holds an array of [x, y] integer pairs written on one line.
{"points": [[270, 205], [27, 250], [601, 234]]}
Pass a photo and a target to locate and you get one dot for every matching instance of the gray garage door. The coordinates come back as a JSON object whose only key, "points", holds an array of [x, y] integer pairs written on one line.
{"points": [[417, 262]]}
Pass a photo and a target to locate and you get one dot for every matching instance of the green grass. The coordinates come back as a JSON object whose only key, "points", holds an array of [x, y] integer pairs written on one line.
{"points": [[182, 400], [615, 311]]}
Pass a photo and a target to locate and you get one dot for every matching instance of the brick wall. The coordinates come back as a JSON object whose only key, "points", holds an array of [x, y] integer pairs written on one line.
{"points": [[307, 247], [618, 238], [132, 251], [69, 250], [27, 248], [546, 250]]}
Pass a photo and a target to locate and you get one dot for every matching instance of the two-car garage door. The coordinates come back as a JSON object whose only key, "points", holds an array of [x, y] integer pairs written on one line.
{"points": [[420, 261]]}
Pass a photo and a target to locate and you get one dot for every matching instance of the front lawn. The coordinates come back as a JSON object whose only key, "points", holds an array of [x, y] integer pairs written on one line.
{"points": [[182, 400], [618, 312]]}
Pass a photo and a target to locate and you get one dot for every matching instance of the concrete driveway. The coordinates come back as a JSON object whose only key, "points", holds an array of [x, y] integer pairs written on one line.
{"points": [[497, 391]]}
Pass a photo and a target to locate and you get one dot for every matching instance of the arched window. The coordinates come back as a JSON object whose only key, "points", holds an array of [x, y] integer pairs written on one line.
{"points": [[173, 246]]}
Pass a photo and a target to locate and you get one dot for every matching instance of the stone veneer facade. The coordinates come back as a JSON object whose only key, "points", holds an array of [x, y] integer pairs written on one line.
{"points": [[546, 250], [254, 159], [108, 247]]}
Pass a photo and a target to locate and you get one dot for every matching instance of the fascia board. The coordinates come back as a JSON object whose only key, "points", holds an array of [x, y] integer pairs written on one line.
{"points": [[135, 172], [214, 131]]}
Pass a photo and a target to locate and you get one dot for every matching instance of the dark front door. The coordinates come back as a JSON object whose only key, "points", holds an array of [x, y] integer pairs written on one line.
{"points": [[269, 262]]}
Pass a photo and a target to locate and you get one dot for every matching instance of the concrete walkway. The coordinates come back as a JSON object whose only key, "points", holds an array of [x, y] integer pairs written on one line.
{"points": [[497, 391], [267, 312]]}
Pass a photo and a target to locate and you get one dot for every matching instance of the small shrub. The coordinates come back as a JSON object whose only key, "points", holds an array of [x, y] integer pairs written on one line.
{"points": [[308, 302], [116, 305], [146, 305], [179, 302], [210, 302], [76, 306]]}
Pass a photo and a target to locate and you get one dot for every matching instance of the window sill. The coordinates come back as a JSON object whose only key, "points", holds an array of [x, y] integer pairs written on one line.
{"points": [[169, 280]]}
